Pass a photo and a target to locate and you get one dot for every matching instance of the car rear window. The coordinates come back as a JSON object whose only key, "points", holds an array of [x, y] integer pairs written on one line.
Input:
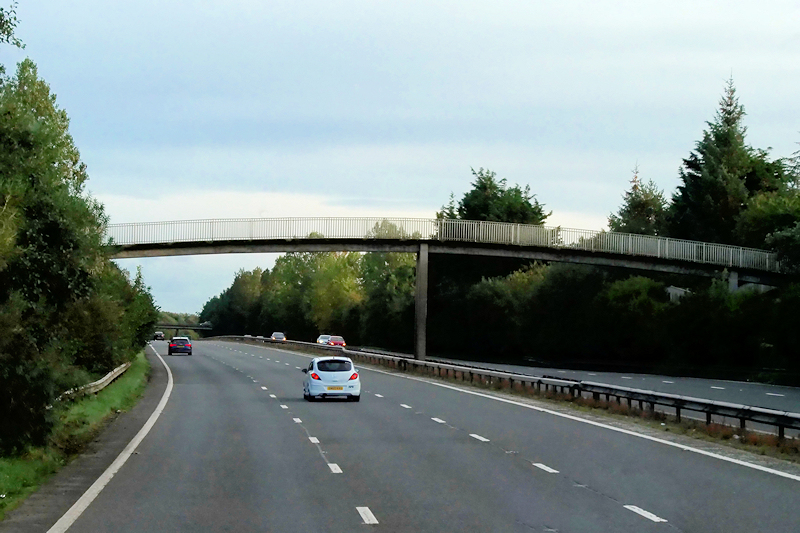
{"points": [[180, 341], [334, 366], [337, 339]]}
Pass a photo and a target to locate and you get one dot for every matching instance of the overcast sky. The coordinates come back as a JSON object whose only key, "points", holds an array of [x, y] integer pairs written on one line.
{"points": [[203, 109]]}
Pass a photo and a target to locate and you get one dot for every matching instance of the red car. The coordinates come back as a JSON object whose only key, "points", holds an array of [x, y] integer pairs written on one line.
{"points": [[336, 341]]}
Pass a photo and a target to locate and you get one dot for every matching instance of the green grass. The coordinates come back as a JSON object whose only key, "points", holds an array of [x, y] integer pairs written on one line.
{"points": [[79, 422]]}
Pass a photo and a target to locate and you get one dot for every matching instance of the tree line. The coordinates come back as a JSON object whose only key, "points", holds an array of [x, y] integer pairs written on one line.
{"points": [[68, 314], [567, 315]]}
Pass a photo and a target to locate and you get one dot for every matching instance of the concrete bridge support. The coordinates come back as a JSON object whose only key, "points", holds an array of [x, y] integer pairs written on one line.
{"points": [[421, 303], [733, 281]]}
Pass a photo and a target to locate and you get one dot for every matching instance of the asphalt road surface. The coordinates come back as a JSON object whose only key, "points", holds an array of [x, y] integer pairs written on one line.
{"points": [[238, 449], [741, 392]]}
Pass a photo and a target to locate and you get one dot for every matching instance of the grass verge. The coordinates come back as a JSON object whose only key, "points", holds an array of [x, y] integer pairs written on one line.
{"points": [[78, 423]]}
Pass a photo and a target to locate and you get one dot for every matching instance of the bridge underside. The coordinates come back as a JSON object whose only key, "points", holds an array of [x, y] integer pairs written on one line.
{"points": [[562, 255], [423, 248]]}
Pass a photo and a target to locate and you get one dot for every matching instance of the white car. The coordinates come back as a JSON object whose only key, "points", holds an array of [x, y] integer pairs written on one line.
{"points": [[331, 377], [323, 339]]}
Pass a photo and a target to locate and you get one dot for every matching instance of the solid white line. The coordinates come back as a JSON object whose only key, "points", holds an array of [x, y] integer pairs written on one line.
{"points": [[284, 406], [314, 440], [773, 394], [366, 515], [476, 436], [272, 396], [596, 424], [646, 514], [438, 420], [263, 388], [92, 492], [297, 421], [335, 468], [545, 468], [379, 395], [718, 388], [405, 406]]}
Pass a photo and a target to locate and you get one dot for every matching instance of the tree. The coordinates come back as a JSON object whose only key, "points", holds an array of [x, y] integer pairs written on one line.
{"points": [[767, 213], [643, 209], [491, 200], [8, 23], [719, 177]]}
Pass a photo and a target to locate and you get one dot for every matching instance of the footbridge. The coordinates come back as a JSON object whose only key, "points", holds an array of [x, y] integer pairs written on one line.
{"points": [[445, 236]]}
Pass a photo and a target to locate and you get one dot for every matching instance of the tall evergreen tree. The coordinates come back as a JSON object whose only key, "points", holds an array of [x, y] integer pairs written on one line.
{"points": [[713, 192], [643, 209], [720, 176]]}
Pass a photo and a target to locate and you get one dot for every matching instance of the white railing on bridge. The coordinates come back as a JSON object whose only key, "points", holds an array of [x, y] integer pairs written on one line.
{"points": [[185, 231]]}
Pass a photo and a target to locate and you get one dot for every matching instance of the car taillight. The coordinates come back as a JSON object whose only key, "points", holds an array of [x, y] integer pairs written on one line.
{"points": [[314, 375], [171, 345], [188, 345], [354, 376]]}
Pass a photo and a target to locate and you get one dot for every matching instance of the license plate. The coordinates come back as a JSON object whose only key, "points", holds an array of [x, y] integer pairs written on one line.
{"points": [[335, 388]]}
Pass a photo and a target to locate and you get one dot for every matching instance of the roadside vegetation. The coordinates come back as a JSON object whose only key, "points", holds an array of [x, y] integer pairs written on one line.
{"points": [[507, 310], [76, 424], [68, 314]]}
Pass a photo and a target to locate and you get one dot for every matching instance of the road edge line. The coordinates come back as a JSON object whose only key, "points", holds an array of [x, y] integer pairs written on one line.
{"points": [[77, 509]]}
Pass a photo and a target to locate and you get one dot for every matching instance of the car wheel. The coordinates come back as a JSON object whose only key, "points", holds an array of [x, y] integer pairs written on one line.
{"points": [[169, 353], [190, 353], [355, 398]]}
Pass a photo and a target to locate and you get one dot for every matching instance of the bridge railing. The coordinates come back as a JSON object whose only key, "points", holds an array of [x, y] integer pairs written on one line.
{"points": [[440, 230]]}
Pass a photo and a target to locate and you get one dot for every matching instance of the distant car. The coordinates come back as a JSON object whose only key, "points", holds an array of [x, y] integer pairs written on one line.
{"points": [[180, 345], [278, 336], [158, 336], [336, 341], [323, 339], [331, 377]]}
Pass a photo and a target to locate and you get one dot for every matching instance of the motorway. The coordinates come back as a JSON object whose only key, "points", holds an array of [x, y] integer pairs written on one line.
{"points": [[238, 449], [741, 392]]}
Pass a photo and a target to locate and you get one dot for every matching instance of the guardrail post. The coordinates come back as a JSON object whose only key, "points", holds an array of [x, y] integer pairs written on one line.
{"points": [[678, 414], [708, 418], [741, 423], [421, 303], [780, 432]]}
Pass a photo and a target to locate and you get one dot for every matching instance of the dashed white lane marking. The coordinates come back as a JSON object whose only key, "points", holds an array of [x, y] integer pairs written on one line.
{"points": [[626, 377], [366, 515], [277, 361], [268, 359], [284, 406], [335, 468], [665, 381], [404, 406], [438, 420], [646, 514], [297, 367], [592, 374], [287, 364], [476, 436], [314, 440], [379, 395], [272, 396], [297, 421], [545, 468], [562, 371], [260, 357], [263, 388], [774, 394], [718, 388]]}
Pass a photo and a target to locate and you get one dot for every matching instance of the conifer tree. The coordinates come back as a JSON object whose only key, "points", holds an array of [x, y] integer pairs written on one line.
{"points": [[643, 209]]}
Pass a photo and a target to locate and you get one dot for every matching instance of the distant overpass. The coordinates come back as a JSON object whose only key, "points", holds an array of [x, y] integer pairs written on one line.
{"points": [[196, 327], [444, 236]]}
